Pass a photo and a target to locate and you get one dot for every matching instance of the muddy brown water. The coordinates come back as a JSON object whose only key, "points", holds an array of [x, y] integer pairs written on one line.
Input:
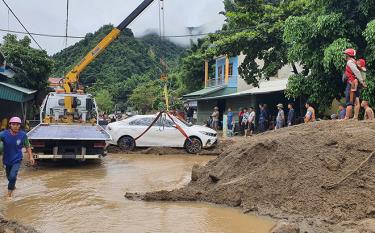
{"points": [[68, 197]]}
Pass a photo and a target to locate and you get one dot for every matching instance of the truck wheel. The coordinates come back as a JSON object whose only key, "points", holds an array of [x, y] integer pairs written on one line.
{"points": [[193, 146], [126, 143]]}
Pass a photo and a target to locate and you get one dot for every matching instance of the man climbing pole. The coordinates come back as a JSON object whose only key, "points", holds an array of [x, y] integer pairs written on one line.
{"points": [[353, 77]]}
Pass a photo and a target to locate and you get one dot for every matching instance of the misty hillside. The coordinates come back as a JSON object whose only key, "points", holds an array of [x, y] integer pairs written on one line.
{"points": [[125, 57]]}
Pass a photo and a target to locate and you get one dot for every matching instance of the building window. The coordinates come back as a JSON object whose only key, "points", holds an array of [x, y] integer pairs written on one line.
{"points": [[230, 69], [220, 72], [220, 78]]}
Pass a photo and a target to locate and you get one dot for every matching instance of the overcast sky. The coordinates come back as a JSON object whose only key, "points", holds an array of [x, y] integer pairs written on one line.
{"points": [[48, 16]]}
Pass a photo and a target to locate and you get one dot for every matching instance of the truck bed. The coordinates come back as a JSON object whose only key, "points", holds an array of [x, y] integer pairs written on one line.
{"points": [[81, 132]]}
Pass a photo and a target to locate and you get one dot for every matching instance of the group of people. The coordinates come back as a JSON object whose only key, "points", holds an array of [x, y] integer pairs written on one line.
{"points": [[355, 79], [247, 119]]}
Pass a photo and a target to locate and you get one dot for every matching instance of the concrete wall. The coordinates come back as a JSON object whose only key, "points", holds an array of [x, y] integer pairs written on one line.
{"points": [[205, 108], [284, 73]]}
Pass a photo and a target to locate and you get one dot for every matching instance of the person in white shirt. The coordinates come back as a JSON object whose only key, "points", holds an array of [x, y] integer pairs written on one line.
{"points": [[251, 121]]}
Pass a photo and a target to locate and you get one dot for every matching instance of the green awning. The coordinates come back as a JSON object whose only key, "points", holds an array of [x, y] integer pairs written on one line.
{"points": [[204, 91], [15, 93]]}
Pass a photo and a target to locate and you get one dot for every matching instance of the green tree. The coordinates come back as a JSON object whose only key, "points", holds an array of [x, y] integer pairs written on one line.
{"points": [[369, 34], [191, 67], [255, 28], [32, 66], [317, 40], [104, 100], [147, 97]]}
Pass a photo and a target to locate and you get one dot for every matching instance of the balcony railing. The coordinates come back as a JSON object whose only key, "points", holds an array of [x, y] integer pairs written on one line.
{"points": [[232, 81]]}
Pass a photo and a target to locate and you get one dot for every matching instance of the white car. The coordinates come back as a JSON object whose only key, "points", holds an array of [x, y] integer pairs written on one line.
{"points": [[164, 133]]}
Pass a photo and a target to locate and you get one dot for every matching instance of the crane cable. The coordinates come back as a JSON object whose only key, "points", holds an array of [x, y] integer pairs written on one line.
{"points": [[164, 76]]}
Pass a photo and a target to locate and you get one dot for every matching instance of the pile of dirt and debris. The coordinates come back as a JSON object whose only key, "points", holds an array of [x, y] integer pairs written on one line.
{"points": [[8, 226], [320, 176]]}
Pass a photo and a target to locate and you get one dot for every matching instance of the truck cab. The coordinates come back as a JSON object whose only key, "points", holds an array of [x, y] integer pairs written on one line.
{"points": [[84, 105]]}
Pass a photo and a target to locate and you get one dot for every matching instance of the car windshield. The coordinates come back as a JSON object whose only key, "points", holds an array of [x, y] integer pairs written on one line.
{"points": [[182, 121]]}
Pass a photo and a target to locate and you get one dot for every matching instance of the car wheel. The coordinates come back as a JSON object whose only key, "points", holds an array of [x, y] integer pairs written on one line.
{"points": [[193, 146], [126, 143]]}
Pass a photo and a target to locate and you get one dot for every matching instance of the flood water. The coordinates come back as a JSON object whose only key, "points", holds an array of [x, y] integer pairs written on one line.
{"points": [[59, 197]]}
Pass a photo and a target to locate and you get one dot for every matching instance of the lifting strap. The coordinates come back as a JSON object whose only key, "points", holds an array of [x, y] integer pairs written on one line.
{"points": [[180, 129]]}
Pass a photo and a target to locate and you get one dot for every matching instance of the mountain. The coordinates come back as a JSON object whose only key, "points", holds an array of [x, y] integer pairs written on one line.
{"points": [[124, 58]]}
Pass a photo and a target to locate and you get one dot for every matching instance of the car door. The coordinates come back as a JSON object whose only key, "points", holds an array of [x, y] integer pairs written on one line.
{"points": [[137, 127], [167, 134]]}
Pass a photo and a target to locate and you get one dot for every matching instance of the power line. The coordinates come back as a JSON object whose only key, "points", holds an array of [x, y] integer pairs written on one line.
{"points": [[82, 37], [21, 24], [42, 34], [167, 36]]}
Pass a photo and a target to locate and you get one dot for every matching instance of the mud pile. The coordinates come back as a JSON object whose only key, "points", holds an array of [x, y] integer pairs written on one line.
{"points": [[9, 226], [320, 175]]}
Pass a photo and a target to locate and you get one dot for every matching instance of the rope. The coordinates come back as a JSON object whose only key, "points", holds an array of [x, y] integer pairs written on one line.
{"points": [[331, 186], [149, 127], [180, 129]]}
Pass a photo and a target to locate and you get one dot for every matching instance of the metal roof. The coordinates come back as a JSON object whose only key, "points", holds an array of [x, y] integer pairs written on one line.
{"points": [[8, 73], [15, 93], [264, 88], [205, 91]]}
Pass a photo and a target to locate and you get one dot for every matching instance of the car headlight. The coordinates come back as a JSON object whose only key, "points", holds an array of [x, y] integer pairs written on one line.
{"points": [[208, 134]]}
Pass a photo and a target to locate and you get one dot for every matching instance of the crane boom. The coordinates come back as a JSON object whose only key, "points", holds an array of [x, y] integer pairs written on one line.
{"points": [[72, 76]]}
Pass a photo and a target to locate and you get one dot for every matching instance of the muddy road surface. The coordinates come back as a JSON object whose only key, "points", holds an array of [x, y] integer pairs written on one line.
{"points": [[89, 197]]}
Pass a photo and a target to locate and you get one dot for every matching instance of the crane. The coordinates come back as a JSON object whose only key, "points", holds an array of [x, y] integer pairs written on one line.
{"points": [[72, 77], [69, 125]]}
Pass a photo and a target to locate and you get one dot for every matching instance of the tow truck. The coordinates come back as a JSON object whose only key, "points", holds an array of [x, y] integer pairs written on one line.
{"points": [[69, 123]]}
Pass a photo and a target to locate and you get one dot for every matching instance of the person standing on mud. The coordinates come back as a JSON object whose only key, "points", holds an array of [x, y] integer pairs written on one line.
{"points": [[291, 115], [251, 121], [310, 113], [369, 113], [189, 112], [262, 118], [14, 140], [240, 116], [245, 121], [230, 122], [353, 78], [215, 118], [280, 119]]}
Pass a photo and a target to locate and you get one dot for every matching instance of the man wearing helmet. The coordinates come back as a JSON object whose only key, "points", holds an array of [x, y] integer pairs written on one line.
{"points": [[353, 75], [14, 140]]}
